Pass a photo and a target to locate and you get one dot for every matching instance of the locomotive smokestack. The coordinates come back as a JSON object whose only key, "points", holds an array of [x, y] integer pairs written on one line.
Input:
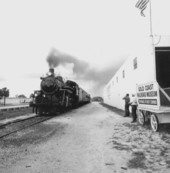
{"points": [[51, 70]]}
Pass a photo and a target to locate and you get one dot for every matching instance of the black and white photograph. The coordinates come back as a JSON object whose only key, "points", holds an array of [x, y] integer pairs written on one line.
{"points": [[84, 86]]}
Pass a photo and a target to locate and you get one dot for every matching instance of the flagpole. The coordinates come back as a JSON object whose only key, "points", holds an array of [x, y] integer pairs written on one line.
{"points": [[152, 40], [151, 31]]}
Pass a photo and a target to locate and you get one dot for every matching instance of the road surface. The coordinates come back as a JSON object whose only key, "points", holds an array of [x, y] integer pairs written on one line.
{"points": [[90, 139]]}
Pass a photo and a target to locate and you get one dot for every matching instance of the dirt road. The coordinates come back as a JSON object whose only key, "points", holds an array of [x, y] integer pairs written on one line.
{"points": [[91, 139]]}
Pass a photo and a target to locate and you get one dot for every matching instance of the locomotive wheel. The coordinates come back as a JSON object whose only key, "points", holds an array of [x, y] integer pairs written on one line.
{"points": [[33, 109], [65, 102], [36, 111], [141, 118], [154, 123]]}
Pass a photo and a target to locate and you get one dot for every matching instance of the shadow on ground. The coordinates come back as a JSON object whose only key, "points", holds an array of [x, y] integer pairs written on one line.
{"points": [[113, 109]]}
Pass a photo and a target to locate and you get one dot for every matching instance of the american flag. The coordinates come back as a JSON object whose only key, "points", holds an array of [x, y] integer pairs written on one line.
{"points": [[142, 4]]}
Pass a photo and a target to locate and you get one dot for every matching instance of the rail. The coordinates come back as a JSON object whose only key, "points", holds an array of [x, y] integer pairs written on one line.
{"points": [[23, 124]]}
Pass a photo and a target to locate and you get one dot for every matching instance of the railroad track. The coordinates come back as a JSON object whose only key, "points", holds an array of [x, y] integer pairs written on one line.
{"points": [[14, 127]]}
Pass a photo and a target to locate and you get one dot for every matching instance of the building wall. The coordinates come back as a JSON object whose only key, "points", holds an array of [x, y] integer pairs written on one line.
{"points": [[121, 84]]}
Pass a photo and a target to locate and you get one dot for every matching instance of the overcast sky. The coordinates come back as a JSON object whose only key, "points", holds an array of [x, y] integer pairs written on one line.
{"points": [[100, 33]]}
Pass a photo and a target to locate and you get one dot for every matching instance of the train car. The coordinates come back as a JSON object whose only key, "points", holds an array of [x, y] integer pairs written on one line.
{"points": [[83, 97], [55, 95], [146, 74]]}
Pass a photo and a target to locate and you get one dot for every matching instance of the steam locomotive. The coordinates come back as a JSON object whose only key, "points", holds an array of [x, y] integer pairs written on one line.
{"points": [[55, 95]]}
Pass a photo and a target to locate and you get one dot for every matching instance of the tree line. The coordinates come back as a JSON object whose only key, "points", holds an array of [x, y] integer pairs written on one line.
{"points": [[4, 92]]}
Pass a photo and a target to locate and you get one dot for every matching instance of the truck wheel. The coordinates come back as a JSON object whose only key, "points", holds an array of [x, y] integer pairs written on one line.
{"points": [[154, 123], [141, 117]]}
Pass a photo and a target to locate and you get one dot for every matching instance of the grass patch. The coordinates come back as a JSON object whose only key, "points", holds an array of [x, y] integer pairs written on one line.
{"points": [[120, 146], [138, 161], [14, 113]]}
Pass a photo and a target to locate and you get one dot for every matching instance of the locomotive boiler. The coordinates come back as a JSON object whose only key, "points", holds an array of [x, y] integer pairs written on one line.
{"points": [[55, 95]]}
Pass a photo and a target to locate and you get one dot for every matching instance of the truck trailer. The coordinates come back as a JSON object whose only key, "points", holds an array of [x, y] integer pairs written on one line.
{"points": [[145, 73]]}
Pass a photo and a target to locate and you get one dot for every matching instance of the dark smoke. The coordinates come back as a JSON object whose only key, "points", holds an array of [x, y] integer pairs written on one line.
{"points": [[56, 58], [82, 70]]}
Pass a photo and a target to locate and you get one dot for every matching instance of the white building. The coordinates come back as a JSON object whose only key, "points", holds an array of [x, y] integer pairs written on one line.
{"points": [[149, 65]]}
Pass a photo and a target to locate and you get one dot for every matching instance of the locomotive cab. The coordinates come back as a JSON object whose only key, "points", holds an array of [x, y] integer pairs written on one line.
{"points": [[73, 86]]}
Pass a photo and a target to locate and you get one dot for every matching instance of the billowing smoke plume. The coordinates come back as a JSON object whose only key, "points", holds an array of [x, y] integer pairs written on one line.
{"points": [[56, 58], [83, 72]]}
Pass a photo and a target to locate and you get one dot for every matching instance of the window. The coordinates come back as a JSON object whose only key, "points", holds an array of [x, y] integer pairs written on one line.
{"points": [[135, 64], [123, 73]]}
